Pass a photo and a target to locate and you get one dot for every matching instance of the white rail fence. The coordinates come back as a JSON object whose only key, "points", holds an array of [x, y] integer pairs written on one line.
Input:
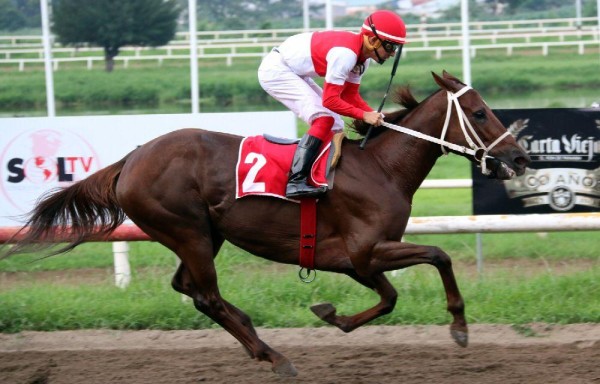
{"points": [[421, 30], [521, 36], [438, 52], [439, 39]]}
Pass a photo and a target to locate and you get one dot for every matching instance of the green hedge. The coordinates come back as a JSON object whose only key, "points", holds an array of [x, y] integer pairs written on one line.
{"points": [[237, 87]]}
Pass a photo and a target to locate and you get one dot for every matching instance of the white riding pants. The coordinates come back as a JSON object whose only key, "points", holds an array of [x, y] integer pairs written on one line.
{"points": [[298, 93]]}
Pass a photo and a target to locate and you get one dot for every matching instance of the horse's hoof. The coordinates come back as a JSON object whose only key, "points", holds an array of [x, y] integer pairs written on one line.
{"points": [[284, 368], [324, 311], [460, 337]]}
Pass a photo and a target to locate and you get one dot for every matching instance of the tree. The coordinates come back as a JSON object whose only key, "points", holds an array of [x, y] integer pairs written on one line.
{"points": [[112, 24], [10, 17], [30, 9], [19, 14]]}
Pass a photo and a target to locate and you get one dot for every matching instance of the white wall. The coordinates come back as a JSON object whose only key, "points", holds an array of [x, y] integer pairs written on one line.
{"points": [[38, 154]]}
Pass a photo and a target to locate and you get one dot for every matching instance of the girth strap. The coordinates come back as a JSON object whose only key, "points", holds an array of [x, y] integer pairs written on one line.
{"points": [[308, 232]]}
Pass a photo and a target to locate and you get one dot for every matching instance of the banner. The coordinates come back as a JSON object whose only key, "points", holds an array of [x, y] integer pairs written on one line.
{"points": [[564, 175], [40, 154]]}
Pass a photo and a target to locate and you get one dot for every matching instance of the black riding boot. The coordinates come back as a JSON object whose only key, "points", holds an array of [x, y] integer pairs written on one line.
{"points": [[305, 155]]}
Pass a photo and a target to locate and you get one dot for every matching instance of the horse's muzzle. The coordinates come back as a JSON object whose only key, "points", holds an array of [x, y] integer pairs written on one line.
{"points": [[507, 168], [499, 170]]}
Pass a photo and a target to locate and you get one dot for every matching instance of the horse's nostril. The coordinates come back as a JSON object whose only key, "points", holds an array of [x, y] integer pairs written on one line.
{"points": [[522, 161]]}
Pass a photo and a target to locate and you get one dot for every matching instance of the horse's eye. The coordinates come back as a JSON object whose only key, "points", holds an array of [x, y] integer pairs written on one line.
{"points": [[479, 115]]}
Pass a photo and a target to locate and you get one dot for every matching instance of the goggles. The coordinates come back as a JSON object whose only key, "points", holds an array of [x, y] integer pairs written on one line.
{"points": [[389, 46]]}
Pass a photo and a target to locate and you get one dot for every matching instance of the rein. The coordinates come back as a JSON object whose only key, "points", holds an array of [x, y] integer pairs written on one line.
{"points": [[473, 149]]}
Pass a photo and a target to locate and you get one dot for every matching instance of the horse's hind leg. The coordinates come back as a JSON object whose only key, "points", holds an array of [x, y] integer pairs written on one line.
{"points": [[182, 282], [197, 278], [172, 213], [378, 283]]}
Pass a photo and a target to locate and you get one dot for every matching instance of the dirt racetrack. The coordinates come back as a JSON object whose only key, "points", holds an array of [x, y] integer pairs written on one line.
{"points": [[374, 354]]}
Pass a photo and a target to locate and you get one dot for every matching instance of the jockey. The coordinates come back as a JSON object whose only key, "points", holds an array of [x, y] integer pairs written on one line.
{"points": [[341, 58]]}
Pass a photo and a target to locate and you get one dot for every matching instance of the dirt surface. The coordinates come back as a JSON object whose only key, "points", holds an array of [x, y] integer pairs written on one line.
{"points": [[531, 354], [373, 354]]}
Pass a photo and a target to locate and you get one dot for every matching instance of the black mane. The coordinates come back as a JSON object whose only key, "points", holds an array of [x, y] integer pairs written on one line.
{"points": [[402, 96]]}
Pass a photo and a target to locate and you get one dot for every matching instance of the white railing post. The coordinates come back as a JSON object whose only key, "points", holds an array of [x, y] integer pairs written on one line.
{"points": [[479, 252], [122, 267]]}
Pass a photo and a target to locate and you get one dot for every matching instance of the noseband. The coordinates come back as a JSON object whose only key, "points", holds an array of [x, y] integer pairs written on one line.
{"points": [[479, 152]]}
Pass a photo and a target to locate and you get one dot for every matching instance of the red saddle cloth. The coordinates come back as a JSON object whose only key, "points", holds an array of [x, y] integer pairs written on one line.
{"points": [[263, 167]]}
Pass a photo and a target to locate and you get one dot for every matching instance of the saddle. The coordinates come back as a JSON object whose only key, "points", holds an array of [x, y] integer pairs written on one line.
{"points": [[264, 164]]}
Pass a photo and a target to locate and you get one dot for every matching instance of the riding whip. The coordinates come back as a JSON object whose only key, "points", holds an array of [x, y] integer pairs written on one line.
{"points": [[396, 60]]}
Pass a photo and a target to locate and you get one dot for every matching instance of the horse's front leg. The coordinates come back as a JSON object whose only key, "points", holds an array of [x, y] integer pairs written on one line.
{"points": [[380, 284], [392, 255]]}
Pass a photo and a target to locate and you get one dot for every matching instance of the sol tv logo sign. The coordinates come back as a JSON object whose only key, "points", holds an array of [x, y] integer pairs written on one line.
{"points": [[38, 160]]}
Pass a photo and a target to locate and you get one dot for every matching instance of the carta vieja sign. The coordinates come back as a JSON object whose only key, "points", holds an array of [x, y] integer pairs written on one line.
{"points": [[564, 174]]}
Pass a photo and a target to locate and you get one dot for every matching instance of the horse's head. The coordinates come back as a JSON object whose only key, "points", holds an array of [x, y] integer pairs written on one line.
{"points": [[480, 130]]}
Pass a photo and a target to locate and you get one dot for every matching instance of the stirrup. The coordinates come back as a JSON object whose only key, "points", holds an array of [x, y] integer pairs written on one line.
{"points": [[303, 190]]}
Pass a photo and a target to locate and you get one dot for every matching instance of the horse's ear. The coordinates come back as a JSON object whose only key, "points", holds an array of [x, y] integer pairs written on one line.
{"points": [[442, 81], [437, 79], [448, 82], [451, 77]]}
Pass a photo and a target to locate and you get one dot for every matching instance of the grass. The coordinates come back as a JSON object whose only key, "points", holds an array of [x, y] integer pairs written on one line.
{"points": [[281, 300], [166, 88], [91, 255]]}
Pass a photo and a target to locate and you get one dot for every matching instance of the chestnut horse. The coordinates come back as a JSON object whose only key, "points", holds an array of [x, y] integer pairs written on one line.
{"points": [[180, 189]]}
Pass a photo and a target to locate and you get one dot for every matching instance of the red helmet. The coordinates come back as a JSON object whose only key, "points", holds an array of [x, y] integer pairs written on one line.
{"points": [[386, 25]]}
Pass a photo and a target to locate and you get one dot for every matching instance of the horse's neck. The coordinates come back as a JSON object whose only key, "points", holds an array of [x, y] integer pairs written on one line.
{"points": [[409, 158]]}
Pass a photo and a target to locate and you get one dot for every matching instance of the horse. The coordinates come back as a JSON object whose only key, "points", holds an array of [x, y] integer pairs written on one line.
{"points": [[180, 190]]}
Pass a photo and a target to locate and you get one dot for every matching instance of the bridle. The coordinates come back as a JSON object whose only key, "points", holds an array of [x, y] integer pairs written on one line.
{"points": [[479, 151]]}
